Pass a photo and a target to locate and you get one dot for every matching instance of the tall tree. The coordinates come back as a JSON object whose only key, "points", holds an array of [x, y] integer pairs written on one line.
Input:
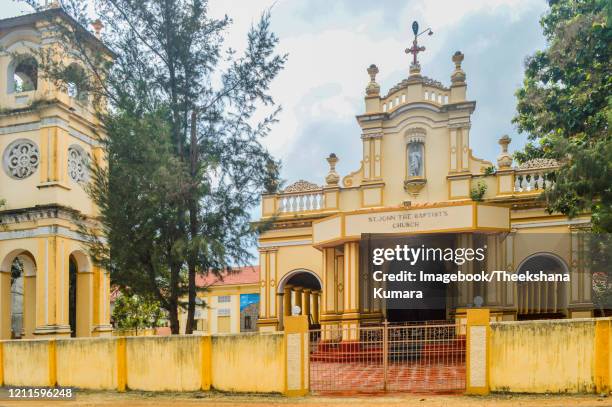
{"points": [[183, 140], [565, 105]]}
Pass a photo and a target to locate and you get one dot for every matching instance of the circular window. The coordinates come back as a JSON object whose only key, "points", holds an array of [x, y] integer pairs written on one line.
{"points": [[78, 164], [21, 158]]}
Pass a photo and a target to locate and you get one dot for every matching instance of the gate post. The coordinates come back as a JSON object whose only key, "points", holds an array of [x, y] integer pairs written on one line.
{"points": [[477, 351], [603, 340], [385, 353], [297, 354]]}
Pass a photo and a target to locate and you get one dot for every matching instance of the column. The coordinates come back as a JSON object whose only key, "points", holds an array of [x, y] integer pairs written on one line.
{"points": [[287, 298], [366, 158], [272, 280], [280, 306], [453, 149], [29, 303], [315, 306], [297, 292], [465, 148], [5, 304], [101, 318], [332, 295], [580, 285], [350, 316], [51, 266], [263, 283], [306, 301]]}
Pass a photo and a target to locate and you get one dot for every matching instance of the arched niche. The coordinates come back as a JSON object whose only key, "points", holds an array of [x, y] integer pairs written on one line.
{"points": [[18, 294]]}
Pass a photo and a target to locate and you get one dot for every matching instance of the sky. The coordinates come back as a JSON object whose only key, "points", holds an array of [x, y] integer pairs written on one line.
{"points": [[330, 44]]}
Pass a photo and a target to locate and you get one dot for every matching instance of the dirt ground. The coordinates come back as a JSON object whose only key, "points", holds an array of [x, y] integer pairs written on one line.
{"points": [[136, 399]]}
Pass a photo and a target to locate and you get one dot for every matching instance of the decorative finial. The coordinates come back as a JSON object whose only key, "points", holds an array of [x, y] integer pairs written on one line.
{"points": [[97, 26], [373, 88], [332, 178], [504, 160], [415, 67], [458, 76], [49, 4]]}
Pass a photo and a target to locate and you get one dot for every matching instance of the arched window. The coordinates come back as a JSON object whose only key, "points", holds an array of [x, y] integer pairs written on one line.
{"points": [[23, 74]]}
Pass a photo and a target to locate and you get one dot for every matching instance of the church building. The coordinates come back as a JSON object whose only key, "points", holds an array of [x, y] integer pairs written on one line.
{"points": [[418, 177]]}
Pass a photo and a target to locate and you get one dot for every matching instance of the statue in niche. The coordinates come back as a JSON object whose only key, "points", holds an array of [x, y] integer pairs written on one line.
{"points": [[415, 160]]}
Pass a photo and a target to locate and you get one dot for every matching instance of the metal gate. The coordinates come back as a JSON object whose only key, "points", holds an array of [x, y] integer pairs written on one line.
{"points": [[423, 358]]}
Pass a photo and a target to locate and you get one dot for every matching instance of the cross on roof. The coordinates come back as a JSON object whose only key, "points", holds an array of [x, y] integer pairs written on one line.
{"points": [[415, 49]]}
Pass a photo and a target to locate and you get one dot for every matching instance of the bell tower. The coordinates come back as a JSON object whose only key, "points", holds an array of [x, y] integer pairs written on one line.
{"points": [[49, 285]]}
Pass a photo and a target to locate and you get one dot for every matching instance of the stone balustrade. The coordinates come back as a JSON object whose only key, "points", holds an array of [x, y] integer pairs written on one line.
{"points": [[301, 202], [532, 180]]}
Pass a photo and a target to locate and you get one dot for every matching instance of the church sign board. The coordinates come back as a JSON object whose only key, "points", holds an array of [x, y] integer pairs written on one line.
{"points": [[460, 217]]}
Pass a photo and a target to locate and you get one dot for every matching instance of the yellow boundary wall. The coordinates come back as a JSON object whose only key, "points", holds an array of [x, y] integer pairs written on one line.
{"points": [[551, 356], [239, 363]]}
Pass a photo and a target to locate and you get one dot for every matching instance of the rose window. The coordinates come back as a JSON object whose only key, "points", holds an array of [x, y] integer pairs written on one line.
{"points": [[21, 159], [77, 164]]}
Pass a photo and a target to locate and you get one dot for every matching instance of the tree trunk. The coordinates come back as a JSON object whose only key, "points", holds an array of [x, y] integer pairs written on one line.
{"points": [[174, 298], [174, 322], [193, 225]]}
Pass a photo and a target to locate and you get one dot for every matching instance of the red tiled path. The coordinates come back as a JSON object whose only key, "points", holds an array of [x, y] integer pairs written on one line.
{"points": [[363, 377]]}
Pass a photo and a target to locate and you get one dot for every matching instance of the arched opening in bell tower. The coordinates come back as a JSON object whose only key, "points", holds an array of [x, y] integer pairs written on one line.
{"points": [[80, 288], [72, 296]]}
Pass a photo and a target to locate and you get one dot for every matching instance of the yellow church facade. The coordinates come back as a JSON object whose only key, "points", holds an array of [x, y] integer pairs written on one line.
{"points": [[49, 285], [418, 176]]}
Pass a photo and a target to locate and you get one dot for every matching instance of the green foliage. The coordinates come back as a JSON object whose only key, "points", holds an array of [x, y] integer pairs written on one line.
{"points": [[491, 170], [565, 105], [138, 194], [135, 312], [477, 192]]}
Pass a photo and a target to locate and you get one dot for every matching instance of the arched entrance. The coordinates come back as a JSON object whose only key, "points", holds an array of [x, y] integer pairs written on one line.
{"points": [[300, 288], [542, 299], [20, 321]]}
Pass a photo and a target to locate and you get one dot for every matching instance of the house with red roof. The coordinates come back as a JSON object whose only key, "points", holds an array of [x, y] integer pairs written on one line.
{"points": [[226, 303]]}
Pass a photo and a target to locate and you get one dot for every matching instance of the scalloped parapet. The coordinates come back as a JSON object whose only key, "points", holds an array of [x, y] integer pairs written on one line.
{"points": [[302, 186], [538, 163]]}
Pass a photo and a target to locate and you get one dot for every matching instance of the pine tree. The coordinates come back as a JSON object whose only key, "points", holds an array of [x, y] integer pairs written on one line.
{"points": [[185, 162]]}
